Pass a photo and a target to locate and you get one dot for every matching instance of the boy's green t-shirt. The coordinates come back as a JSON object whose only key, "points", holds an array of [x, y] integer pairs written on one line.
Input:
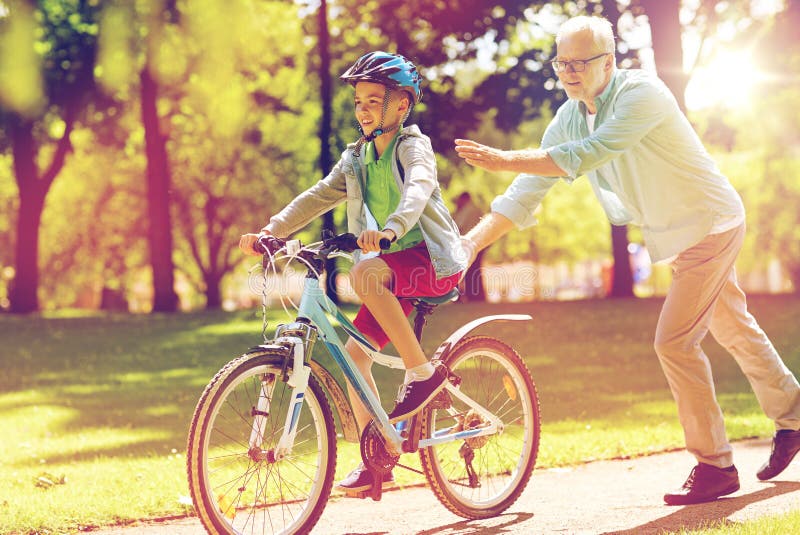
{"points": [[382, 194]]}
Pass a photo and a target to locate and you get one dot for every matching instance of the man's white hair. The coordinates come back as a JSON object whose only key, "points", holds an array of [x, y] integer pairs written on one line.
{"points": [[602, 32]]}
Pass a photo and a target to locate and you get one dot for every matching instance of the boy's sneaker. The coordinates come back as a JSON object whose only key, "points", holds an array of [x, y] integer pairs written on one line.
{"points": [[361, 479], [416, 394]]}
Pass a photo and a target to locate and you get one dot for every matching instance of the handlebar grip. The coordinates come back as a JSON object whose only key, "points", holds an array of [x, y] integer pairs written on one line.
{"points": [[347, 243], [268, 244]]}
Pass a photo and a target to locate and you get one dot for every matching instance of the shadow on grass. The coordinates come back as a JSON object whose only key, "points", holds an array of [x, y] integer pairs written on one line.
{"points": [[470, 527], [588, 359], [699, 516], [116, 372]]}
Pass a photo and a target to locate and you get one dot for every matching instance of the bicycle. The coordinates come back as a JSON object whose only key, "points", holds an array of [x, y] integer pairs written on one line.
{"points": [[262, 441]]}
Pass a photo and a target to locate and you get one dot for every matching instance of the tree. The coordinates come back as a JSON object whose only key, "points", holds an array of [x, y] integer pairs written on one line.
{"points": [[158, 175], [665, 31], [239, 133], [325, 157], [622, 272], [95, 224], [776, 141], [43, 96], [159, 222]]}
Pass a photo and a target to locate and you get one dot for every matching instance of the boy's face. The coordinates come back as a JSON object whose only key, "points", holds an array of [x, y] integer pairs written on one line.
{"points": [[369, 106]]}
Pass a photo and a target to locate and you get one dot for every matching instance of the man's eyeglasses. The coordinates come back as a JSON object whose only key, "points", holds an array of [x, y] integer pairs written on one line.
{"points": [[578, 65]]}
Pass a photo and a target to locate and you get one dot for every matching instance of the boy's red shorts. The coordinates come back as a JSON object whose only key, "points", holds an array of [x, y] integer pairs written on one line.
{"points": [[413, 276]]}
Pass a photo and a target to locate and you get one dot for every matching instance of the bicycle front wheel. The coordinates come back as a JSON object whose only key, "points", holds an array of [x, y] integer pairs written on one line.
{"points": [[481, 477], [241, 488]]}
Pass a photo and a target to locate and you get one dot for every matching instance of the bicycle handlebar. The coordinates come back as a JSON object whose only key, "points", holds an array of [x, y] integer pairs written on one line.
{"points": [[346, 242], [268, 244]]}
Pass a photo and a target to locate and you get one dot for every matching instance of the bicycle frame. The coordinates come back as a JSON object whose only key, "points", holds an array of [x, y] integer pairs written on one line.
{"points": [[263, 439], [315, 307]]}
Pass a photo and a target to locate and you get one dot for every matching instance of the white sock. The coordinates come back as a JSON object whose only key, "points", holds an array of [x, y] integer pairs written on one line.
{"points": [[419, 373]]}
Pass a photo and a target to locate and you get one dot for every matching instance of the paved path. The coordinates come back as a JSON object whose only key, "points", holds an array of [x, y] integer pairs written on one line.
{"points": [[620, 497]]}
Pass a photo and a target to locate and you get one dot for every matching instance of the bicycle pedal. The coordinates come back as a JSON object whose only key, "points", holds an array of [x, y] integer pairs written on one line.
{"points": [[360, 494], [442, 400]]}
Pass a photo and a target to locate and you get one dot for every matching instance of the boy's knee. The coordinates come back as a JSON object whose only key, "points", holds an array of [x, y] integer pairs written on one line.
{"points": [[364, 276], [356, 277]]}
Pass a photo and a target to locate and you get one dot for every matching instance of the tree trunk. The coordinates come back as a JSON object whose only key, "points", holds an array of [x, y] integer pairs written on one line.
{"points": [[158, 199], [665, 31], [24, 288], [33, 189], [213, 291], [622, 276], [323, 40], [622, 280]]}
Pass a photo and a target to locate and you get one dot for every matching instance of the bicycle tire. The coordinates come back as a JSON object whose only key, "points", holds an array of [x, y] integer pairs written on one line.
{"points": [[234, 493], [494, 375]]}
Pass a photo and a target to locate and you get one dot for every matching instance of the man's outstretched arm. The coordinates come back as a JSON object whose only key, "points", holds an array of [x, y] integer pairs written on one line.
{"points": [[489, 229], [530, 161]]}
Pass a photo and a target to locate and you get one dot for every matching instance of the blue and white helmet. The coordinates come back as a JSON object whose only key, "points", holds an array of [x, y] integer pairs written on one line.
{"points": [[391, 70]]}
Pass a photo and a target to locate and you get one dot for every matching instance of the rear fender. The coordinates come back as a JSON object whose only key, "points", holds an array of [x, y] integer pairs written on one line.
{"points": [[444, 348]]}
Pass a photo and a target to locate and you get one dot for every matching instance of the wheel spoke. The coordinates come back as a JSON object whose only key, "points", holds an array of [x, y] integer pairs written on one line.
{"points": [[240, 491], [495, 378]]}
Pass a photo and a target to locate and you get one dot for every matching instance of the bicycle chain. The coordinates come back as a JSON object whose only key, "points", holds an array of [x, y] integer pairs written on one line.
{"points": [[374, 453]]}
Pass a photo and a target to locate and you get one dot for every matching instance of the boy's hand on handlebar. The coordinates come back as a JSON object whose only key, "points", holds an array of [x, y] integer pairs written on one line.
{"points": [[247, 242], [370, 240]]}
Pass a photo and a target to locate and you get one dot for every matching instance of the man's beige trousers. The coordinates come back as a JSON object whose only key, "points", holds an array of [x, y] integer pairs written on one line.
{"points": [[704, 297]]}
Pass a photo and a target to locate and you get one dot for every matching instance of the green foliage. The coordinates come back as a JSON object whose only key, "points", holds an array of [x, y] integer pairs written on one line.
{"points": [[241, 112], [238, 154], [93, 229], [20, 76], [47, 55], [763, 136], [8, 210]]}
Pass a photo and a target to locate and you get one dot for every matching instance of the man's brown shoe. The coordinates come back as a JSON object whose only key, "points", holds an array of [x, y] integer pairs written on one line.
{"points": [[785, 446], [705, 483]]}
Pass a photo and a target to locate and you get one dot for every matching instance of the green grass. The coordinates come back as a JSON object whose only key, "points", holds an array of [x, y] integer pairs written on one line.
{"points": [[99, 405], [775, 525]]}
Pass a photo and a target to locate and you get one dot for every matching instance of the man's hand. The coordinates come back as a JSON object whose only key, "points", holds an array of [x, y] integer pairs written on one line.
{"points": [[482, 156], [247, 241], [530, 161], [369, 240], [470, 248]]}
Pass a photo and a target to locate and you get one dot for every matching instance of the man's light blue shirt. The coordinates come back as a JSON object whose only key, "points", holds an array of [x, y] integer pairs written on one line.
{"points": [[645, 162]]}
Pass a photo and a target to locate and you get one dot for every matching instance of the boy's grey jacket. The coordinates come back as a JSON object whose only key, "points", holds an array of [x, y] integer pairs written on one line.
{"points": [[420, 201]]}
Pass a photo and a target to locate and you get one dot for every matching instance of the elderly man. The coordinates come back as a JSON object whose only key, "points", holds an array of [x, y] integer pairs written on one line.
{"points": [[624, 130]]}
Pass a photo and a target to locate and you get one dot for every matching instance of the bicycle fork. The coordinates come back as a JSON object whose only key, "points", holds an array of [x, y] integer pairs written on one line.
{"points": [[298, 380]]}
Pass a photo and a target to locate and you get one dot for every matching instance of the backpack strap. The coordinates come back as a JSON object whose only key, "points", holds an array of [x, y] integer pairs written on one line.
{"points": [[397, 154]]}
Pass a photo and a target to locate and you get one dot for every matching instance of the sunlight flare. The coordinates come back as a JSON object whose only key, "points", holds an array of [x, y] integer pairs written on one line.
{"points": [[729, 80]]}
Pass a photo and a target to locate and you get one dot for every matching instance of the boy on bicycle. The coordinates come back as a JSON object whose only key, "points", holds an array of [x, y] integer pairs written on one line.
{"points": [[388, 178]]}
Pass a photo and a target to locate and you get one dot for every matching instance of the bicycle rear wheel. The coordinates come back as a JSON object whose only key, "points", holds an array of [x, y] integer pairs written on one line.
{"points": [[240, 489], [481, 477]]}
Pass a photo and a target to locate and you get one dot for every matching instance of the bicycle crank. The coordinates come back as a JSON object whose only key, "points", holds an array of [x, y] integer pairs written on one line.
{"points": [[378, 460]]}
